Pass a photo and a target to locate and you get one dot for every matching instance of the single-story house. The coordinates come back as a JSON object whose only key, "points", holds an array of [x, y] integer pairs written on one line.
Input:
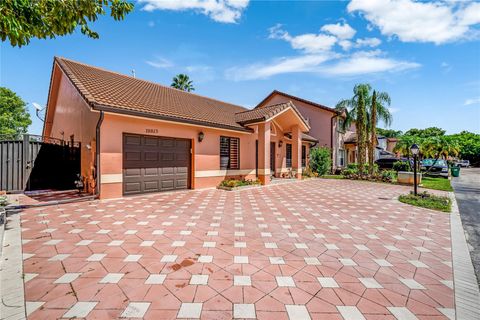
{"points": [[138, 136]]}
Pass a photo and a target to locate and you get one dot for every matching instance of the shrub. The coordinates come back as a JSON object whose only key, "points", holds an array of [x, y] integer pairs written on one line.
{"points": [[3, 201], [320, 160], [232, 183], [388, 175], [402, 166], [308, 173]]}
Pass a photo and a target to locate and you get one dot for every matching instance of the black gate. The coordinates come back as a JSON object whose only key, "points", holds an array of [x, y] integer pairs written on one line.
{"points": [[30, 162]]}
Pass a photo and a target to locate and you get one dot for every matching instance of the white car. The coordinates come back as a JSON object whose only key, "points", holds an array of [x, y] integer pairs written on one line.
{"points": [[462, 163]]}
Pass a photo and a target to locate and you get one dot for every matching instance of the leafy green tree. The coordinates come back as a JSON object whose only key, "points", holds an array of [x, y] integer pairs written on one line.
{"points": [[355, 110], [22, 20], [320, 160], [469, 146], [425, 133], [389, 133], [377, 110], [182, 82], [405, 142], [14, 117]]}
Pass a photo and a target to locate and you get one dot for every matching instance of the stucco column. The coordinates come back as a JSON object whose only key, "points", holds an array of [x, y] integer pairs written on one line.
{"points": [[297, 151], [264, 152]]}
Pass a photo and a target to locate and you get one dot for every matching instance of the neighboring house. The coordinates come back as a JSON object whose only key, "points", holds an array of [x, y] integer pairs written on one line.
{"points": [[138, 136], [325, 125], [381, 150]]}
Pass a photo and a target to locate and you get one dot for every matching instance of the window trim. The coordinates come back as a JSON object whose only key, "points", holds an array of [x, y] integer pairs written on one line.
{"points": [[229, 166]]}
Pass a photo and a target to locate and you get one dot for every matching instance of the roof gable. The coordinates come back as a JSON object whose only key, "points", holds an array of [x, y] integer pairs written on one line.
{"points": [[286, 95]]}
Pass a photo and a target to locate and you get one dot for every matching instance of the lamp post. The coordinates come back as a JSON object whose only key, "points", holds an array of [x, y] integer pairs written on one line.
{"points": [[414, 149]]}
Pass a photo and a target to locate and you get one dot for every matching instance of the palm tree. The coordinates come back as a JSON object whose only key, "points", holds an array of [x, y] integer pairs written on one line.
{"points": [[182, 82], [355, 110], [377, 110], [404, 144]]}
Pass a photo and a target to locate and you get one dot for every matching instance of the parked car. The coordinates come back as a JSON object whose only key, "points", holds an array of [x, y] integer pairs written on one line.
{"points": [[438, 168], [387, 163], [462, 163]]}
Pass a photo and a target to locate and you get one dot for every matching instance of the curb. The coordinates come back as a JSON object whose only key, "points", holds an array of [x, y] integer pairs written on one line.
{"points": [[467, 295], [11, 271]]}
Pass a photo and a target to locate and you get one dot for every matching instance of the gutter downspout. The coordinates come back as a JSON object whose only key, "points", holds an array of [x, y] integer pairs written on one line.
{"points": [[97, 154], [331, 140]]}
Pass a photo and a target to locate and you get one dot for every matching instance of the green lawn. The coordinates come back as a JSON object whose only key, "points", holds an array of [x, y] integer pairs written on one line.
{"points": [[436, 184], [429, 201]]}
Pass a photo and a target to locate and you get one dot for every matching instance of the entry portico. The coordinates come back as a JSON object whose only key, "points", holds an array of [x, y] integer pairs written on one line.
{"points": [[276, 123]]}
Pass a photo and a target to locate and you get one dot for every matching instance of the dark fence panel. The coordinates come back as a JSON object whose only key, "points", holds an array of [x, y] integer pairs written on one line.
{"points": [[29, 162]]}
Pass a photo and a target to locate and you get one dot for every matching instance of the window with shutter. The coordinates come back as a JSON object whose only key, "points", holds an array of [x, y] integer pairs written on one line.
{"points": [[229, 153], [289, 155]]}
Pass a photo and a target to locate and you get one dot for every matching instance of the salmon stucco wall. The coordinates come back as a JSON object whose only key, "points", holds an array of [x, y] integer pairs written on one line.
{"points": [[69, 115], [206, 159]]}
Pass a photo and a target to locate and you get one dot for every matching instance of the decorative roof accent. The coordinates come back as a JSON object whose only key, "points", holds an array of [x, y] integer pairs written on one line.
{"points": [[267, 113]]}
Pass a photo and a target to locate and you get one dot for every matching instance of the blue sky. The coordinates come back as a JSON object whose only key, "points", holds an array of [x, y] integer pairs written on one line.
{"points": [[425, 55]]}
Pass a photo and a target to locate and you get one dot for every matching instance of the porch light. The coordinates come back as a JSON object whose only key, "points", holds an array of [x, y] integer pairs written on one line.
{"points": [[201, 135], [280, 143]]}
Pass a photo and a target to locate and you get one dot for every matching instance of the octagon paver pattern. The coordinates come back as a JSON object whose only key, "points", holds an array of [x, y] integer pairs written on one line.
{"points": [[318, 249]]}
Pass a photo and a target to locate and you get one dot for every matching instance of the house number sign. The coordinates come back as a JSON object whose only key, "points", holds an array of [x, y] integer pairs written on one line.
{"points": [[151, 130]]}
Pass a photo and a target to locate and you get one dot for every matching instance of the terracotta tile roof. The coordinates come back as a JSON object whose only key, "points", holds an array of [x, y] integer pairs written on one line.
{"points": [[114, 92], [266, 113], [318, 105], [350, 137], [305, 137]]}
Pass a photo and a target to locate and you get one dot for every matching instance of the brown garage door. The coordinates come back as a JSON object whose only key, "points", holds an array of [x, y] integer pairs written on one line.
{"points": [[153, 164]]}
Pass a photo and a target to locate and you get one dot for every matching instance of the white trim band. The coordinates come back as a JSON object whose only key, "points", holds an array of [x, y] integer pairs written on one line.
{"points": [[111, 178], [223, 173]]}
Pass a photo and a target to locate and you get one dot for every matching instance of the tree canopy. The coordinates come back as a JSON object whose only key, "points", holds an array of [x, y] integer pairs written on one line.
{"points": [[389, 133], [14, 116], [22, 20], [425, 133], [182, 82]]}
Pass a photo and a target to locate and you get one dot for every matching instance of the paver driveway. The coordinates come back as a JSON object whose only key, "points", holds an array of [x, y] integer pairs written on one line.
{"points": [[319, 249]]}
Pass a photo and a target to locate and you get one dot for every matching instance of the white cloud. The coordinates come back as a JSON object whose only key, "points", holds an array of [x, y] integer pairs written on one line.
{"points": [[160, 63], [367, 62], [368, 42], [341, 31], [472, 101], [303, 63], [308, 42], [411, 21], [317, 55], [225, 11], [327, 64]]}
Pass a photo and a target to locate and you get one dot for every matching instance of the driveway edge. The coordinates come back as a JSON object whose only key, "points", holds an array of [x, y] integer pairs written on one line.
{"points": [[11, 271], [467, 296]]}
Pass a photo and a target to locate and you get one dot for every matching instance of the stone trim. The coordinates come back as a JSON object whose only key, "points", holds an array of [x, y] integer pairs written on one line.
{"points": [[11, 272], [467, 296]]}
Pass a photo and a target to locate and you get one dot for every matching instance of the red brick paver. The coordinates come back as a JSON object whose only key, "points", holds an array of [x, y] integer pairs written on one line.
{"points": [[319, 249]]}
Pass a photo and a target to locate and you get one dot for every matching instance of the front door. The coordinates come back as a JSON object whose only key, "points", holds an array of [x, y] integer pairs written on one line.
{"points": [[272, 158]]}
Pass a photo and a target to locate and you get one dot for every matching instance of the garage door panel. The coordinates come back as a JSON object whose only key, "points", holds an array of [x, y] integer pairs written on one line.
{"points": [[151, 155], [151, 172], [132, 172], [153, 164], [150, 141], [132, 187], [151, 185], [132, 140]]}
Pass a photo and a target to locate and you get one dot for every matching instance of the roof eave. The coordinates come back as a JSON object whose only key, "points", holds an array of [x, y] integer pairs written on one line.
{"points": [[127, 112]]}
